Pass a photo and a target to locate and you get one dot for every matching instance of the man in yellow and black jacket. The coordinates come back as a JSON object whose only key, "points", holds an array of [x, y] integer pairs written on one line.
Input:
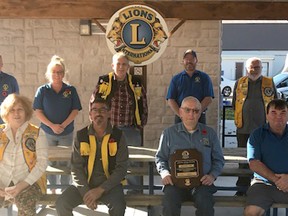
{"points": [[129, 109], [99, 164], [251, 95]]}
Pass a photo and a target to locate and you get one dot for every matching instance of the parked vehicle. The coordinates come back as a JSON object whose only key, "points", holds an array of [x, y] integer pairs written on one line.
{"points": [[227, 86], [281, 83]]}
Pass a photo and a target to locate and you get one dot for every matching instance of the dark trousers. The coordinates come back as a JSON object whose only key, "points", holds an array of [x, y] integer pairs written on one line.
{"points": [[71, 198], [202, 196], [202, 119], [242, 142]]}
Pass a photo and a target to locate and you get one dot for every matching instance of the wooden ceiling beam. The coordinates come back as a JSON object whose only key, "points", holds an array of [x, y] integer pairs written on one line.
{"points": [[186, 10]]}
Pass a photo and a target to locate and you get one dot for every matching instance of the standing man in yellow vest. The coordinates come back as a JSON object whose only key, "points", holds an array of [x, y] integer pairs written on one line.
{"points": [[129, 109], [99, 164], [251, 95]]}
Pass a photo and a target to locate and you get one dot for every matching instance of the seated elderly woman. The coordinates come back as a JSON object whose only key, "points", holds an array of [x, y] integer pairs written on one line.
{"points": [[23, 156]]}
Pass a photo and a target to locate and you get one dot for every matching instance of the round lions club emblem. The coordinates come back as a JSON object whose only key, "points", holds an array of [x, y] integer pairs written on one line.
{"points": [[138, 31]]}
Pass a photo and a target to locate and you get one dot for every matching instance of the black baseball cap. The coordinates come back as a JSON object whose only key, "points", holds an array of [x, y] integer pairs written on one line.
{"points": [[190, 51]]}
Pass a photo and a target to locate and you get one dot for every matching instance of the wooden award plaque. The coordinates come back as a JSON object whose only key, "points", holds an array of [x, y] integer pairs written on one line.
{"points": [[186, 168]]}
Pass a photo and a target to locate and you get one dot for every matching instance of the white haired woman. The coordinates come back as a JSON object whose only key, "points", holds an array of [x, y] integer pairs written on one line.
{"points": [[23, 156]]}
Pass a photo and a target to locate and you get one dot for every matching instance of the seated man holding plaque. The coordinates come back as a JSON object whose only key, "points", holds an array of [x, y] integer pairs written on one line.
{"points": [[189, 159]]}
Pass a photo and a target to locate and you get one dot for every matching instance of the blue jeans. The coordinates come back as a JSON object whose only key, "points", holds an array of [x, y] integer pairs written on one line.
{"points": [[133, 138], [66, 140], [202, 196]]}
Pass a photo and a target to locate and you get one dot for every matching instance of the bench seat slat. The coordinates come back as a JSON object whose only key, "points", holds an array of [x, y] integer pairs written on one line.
{"points": [[145, 200]]}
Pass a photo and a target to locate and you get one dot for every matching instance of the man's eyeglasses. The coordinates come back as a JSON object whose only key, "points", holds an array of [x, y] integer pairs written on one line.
{"points": [[99, 110], [256, 67], [188, 110]]}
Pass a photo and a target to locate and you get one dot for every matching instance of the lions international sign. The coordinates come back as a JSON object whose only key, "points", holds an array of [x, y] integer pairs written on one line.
{"points": [[138, 31]]}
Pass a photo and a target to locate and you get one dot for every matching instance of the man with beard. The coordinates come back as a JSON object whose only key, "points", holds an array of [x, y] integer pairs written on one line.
{"points": [[251, 95], [98, 163], [190, 82], [129, 108]]}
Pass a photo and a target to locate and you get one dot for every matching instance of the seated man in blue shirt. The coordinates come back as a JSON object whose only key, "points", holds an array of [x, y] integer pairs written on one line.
{"points": [[189, 134], [267, 151]]}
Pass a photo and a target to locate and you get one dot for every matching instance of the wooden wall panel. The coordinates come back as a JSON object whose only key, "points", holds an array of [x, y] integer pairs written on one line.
{"points": [[191, 10]]}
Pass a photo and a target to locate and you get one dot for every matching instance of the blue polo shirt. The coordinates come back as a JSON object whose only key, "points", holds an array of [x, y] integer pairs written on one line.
{"points": [[8, 85], [57, 106], [265, 146], [182, 85], [204, 139]]}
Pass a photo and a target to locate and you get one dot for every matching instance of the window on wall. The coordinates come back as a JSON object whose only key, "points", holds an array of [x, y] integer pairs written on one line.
{"points": [[265, 68], [239, 66]]}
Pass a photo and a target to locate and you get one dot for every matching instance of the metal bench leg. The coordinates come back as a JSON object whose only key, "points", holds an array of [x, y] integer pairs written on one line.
{"points": [[151, 186], [10, 210]]}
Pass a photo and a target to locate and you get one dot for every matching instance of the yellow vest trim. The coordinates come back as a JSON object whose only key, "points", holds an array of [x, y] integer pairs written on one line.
{"points": [[137, 115], [241, 94], [92, 155], [105, 90], [4, 141], [31, 132], [104, 154]]}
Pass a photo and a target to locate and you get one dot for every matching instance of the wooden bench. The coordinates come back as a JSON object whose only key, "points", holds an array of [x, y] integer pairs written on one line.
{"points": [[146, 155], [143, 171], [233, 156], [145, 200]]}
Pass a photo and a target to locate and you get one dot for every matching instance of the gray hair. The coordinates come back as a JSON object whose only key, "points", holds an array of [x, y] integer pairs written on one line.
{"points": [[119, 55], [191, 98], [250, 60]]}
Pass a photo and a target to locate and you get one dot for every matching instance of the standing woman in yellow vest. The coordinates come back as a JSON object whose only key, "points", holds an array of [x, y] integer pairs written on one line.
{"points": [[23, 156], [251, 95]]}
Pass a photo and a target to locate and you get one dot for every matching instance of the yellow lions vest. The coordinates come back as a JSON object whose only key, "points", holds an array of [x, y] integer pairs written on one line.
{"points": [[29, 138], [105, 89], [108, 149], [241, 94]]}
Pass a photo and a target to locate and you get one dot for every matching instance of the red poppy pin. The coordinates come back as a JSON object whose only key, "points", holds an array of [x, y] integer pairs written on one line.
{"points": [[204, 132], [67, 92], [111, 140]]}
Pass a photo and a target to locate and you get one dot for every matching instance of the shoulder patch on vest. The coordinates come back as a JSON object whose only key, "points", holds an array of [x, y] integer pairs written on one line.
{"points": [[31, 144], [268, 91]]}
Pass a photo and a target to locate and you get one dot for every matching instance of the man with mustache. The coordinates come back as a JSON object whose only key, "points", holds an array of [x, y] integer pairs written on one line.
{"points": [[129, 109], [251, 95], [98, 165], [190, 82]]}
